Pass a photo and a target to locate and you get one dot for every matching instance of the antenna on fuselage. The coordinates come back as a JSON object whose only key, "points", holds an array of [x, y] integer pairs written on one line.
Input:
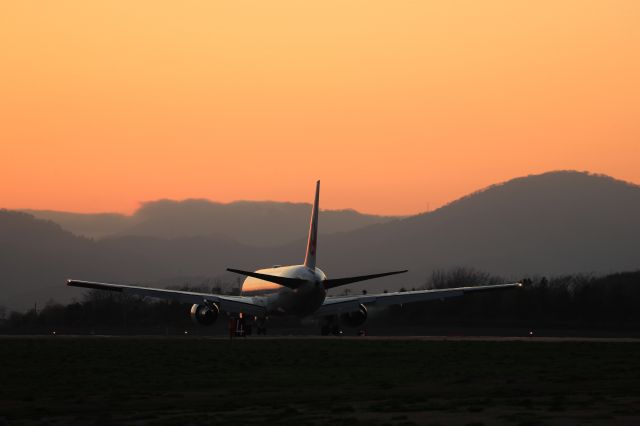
{"points": [[312, 242]]}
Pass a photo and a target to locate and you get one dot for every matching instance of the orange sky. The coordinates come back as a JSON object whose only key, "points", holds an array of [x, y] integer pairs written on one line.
{"points": [[395, 105]]}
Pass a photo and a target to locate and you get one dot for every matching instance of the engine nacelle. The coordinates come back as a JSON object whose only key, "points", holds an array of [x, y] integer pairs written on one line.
{"points": [[205, 314], [356, 318]]}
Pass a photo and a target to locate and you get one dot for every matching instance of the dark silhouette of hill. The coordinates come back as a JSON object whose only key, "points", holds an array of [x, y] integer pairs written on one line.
{"points": [[262, 223], [554, 223], [93, 225], [34, 254], [36, 257]]}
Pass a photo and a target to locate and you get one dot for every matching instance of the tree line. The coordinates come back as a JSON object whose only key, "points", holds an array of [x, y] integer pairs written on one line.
{"points": [[584, 302], [580, 301]]}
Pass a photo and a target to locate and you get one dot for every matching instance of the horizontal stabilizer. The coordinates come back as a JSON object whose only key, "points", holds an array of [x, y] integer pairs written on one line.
{"points": [[337, 282], [292, 283]]}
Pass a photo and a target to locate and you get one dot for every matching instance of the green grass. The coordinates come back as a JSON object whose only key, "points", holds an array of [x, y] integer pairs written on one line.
{"points": [[316, 381]]}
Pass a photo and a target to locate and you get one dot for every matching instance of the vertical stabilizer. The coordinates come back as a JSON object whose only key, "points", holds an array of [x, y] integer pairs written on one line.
{"points": [[310, 258]]}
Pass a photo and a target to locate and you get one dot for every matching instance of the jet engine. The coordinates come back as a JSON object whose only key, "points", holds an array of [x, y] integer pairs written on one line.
{"points": [[205, 314], [356, 318]]}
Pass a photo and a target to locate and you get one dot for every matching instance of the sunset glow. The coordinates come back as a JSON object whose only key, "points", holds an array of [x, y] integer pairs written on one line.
{"points": [[396, 106]]}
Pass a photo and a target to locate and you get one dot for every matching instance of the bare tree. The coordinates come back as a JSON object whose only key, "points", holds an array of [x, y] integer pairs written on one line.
{"points": [[460, 277]]}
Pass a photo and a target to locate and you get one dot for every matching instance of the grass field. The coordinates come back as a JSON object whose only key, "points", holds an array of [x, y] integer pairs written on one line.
{"points": [[103, 381]]}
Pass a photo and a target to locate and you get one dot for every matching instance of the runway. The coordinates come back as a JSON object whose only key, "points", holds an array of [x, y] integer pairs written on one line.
{"points": [[528, 339]]}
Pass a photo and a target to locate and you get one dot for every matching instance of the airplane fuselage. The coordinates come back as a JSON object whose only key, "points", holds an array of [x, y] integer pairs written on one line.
{"points": [[280, 300]]}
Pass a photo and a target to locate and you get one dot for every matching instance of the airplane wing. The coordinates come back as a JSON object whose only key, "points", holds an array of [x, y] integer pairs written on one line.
{"points": [[231, 304], [344, 304]]}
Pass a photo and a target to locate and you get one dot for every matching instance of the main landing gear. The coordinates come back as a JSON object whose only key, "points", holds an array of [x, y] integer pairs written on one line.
{"points": [[334, 330], [242, 325], [330, 326], [261, 326]]}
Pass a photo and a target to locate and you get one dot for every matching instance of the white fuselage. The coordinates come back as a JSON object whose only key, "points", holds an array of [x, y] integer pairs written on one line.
{"points": [[280, 300]]}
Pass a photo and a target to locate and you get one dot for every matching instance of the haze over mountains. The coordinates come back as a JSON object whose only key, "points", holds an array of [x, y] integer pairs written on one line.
{"points": [[262, 223], [559, 222]]}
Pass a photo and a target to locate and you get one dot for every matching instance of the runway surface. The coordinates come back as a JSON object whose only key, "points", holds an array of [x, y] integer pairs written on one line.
{"points": [[531, 339]]}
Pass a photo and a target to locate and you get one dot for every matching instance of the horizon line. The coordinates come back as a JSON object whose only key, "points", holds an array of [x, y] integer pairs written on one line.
{"points": [[141, 204]]}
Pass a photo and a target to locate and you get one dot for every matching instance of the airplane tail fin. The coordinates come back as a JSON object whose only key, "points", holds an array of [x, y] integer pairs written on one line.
{"points": [[310, 258]]}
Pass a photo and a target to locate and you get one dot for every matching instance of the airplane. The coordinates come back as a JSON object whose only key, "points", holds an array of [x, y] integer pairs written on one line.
{"points": [[296, 290]]}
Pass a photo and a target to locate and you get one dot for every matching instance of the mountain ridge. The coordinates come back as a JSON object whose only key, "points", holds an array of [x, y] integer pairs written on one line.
{"points": [[535, 220], [552, 223], [260, 223]]}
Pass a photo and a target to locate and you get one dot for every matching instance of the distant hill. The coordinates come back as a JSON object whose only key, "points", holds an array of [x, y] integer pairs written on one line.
{"points": [[92, 225], [34, 254], [36, 257], [559, 222], [261, 223]]}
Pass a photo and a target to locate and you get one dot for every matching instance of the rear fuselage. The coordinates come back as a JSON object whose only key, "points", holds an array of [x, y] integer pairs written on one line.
{"points": [[280, 300]]}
